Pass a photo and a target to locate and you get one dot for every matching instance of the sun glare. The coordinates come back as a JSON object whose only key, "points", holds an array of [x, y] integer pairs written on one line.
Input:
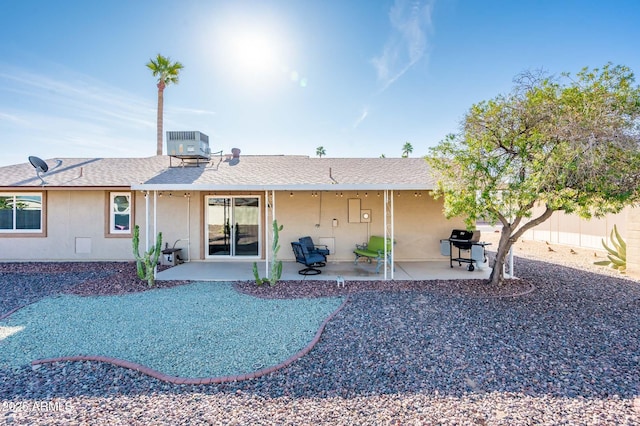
{"points": [[255, 53]]}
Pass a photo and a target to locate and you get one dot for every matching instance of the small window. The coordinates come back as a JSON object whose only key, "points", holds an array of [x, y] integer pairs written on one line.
{"points": [[120, 213], [21, 213]]}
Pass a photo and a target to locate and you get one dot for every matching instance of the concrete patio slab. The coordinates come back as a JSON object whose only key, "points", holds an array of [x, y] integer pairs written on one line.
{"points": [[242, 271]]}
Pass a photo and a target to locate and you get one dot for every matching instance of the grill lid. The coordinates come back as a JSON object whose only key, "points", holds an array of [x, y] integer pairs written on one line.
{"points": [[464, 235]]}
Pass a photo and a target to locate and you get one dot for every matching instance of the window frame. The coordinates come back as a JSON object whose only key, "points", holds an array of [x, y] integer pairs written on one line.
{"points": [[110, 230], [15, 233]]}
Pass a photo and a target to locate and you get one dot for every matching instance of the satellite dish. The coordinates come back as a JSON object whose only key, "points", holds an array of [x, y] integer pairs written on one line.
{"points": [[38, 164], [41, 166]]}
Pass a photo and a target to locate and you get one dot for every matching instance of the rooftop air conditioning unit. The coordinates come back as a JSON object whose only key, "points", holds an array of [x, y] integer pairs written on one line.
{"points": [[188, 145]]}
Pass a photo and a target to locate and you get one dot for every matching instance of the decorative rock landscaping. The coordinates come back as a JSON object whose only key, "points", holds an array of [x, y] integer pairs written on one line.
{"points": [[565, 351]]}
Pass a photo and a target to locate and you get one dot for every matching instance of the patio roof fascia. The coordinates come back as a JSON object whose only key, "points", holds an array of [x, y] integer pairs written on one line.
{"points": [[280, 187]]}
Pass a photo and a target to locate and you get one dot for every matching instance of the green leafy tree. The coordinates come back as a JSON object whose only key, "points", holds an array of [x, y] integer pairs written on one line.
{"points": [[167, 73], [383, 156], [407, 149], [569, 145], [320, 151]]}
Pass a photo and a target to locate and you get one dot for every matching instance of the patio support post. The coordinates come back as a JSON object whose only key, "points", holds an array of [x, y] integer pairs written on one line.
{"points": [[392, 236], [155, 227], [266, 233], [155, 216], [388, 229], [146, 221], [386, 200], [269, 202]]}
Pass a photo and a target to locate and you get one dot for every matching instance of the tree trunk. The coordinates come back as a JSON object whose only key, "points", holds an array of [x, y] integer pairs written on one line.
{"points": [[497, 274], [507, 238], [159, 122]]}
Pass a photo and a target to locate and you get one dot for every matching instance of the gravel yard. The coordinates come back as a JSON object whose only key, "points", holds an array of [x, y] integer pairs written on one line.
{"points": [[456, 352]]}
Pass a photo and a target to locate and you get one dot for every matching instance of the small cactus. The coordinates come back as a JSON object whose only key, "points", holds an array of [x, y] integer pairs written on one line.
{"points": [[617, 257]]}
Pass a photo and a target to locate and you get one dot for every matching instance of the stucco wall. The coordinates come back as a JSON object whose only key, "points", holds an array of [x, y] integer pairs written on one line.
{"points": [[633, 242], [418, 226], [572, 230], [419, 223], [569, 229], [75, 232], [74, 216], [179, 220]]}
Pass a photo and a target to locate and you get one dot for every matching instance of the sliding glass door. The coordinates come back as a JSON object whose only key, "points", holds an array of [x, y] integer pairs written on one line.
{"points": [[232, 226]]}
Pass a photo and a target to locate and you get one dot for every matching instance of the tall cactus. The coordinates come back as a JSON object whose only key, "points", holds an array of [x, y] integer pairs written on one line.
{"points": [[276, 265], [146, 264]]}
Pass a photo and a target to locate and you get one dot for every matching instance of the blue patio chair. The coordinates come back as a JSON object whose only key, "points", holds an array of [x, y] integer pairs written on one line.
{"points": [[307, 242], [310, 260]]}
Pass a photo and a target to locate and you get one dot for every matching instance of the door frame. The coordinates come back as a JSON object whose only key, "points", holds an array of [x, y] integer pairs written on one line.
{"points": [[205, 228]]}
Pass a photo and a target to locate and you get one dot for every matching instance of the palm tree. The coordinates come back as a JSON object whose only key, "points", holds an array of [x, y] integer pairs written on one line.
{"points": [[320, 151], [167, 73], [406, 150]]}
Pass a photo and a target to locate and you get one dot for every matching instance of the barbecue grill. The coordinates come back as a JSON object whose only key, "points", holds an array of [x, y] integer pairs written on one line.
{"points": [[465, 241]]}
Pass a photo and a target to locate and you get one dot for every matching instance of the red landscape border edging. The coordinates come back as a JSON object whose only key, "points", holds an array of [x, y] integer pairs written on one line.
{"points": [[197, 381]]}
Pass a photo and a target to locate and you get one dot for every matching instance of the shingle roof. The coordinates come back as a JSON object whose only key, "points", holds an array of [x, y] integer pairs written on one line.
{"points": [[85, 172], [248, 172]]}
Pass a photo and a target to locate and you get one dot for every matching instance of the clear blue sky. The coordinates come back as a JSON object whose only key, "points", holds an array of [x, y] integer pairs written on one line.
{"points": [[359, 77]]}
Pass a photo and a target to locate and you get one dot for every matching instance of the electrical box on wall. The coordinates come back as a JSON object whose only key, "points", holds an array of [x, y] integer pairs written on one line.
{"points": [[365, 216], [354, 210]]}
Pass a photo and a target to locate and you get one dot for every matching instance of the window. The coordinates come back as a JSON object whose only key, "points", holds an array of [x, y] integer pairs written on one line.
{"points": [[120, 213], [21, 212]]}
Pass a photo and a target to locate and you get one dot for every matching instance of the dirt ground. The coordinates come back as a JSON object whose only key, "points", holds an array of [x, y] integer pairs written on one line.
{"points": [[577, 257]]}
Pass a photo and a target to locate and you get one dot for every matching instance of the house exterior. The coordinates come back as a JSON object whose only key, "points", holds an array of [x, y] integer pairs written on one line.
{"points": [[220, 209]]}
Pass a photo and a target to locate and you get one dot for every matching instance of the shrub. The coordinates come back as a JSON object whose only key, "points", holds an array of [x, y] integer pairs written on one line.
{"points": [[617, 257]]}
